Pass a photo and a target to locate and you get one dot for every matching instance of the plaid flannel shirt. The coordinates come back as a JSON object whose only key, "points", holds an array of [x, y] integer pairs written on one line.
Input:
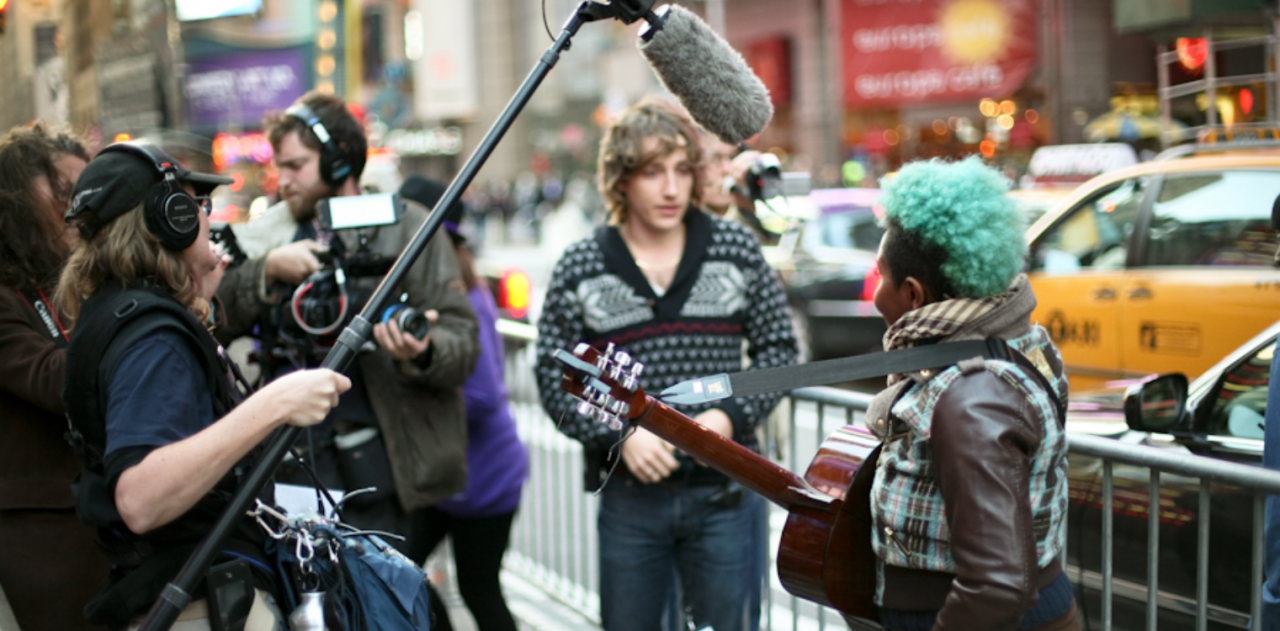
{"points": [[910, 521]]}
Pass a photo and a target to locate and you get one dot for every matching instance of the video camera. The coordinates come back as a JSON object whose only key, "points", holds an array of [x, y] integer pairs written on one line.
{"points": [[325, 303], [765, 180]]}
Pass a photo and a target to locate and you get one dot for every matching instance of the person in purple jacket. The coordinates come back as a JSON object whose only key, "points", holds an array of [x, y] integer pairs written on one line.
{"points": [[479, 518]]}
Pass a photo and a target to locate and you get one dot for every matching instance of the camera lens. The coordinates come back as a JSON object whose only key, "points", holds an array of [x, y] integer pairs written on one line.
{"points": [[409, 320]]}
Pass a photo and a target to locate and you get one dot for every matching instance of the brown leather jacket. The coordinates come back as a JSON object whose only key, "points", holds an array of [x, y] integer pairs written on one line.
{"points": [[984, 434], [36, 463], [966, 447], [49, 563]]}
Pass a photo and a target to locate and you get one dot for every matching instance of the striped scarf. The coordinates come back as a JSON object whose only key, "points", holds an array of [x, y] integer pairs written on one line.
{"points": [[938, 320]]}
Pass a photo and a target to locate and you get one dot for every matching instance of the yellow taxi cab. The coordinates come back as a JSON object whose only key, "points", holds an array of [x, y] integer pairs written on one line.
{"points": [[1163, 266]]}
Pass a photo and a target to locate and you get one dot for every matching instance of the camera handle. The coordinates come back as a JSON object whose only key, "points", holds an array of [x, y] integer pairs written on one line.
{"points": [[177, 594]]}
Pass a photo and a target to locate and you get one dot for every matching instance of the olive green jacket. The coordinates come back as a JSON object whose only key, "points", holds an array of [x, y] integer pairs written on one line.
{"points": [[420, 410]]}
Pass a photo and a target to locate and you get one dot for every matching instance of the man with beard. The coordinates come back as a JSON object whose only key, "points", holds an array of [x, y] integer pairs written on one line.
{"points": [[402, 427]]}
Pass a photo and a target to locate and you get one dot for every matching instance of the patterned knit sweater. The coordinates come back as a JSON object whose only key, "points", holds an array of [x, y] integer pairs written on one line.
{"points": [[723, 293]]}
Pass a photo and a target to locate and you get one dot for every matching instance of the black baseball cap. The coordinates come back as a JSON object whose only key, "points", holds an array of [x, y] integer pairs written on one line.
{"points": [[119, 177], [428, 192]]}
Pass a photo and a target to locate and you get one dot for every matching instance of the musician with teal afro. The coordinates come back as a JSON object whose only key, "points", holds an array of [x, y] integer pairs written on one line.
{"points": [[969, 496], [959, 212]]}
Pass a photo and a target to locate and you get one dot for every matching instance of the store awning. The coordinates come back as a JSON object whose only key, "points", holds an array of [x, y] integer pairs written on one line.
{"points": [[1131, 16]]}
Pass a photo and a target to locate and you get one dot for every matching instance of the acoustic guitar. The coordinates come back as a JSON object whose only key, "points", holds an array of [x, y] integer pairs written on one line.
{"points": [[825, 555]]}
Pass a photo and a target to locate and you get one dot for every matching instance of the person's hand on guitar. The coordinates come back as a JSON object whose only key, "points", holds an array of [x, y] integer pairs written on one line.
{"points": [[649, 458], [717, 421]]}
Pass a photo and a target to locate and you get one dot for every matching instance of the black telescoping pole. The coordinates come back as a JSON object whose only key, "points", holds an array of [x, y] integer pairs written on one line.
{"points": [[177, 594]]}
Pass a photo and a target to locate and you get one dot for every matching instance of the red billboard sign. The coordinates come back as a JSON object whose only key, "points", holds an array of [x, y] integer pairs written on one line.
{"points": [[900, 52], [770, 59]]}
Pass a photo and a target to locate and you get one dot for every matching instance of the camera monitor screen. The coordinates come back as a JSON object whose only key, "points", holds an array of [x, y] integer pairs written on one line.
{"points": [[358, 211]]}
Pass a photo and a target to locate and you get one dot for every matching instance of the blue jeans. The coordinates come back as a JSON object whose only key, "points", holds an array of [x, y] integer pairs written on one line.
{"points": [[1271, 460], [646, 531]]}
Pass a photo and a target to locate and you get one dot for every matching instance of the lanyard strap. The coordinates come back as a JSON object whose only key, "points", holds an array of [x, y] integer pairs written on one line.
{"points": [[40, 304]]}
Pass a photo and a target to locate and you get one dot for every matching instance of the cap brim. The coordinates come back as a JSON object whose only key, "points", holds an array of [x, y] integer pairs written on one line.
{"points": [[204, 183]]}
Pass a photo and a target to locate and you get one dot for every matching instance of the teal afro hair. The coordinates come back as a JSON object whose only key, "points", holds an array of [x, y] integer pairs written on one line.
{"points": [[961, 208]]}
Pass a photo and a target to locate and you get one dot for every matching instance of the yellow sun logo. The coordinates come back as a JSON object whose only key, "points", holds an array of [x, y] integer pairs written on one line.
{"points": [[973, 31]]}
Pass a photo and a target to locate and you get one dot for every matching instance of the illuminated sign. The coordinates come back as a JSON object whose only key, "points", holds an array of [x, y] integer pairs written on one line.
{"points": [[434, 141], [229, 149], [919, 51]]}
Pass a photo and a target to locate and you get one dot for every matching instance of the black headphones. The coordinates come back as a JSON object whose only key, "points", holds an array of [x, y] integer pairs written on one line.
{"points": [[334, 167], [172, 214]]}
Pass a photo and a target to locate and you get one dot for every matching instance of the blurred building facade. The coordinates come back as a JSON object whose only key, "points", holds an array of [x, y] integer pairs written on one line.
{"points": [[859, 86]]}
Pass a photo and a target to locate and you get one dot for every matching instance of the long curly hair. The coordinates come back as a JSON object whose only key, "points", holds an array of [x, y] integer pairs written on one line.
{"points": [[31, 250], [622, 151], [126, 251], [958, 214]]}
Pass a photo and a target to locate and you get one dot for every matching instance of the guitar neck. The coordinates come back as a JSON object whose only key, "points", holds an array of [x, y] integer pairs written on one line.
{"points": [[746, 467]]}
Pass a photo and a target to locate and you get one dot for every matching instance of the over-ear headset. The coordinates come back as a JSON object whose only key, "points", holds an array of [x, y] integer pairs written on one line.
{"points": [[334, 167], [172, 214]]}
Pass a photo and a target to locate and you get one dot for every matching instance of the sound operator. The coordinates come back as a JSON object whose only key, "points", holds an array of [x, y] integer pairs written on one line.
{"points": [[161, 425]]}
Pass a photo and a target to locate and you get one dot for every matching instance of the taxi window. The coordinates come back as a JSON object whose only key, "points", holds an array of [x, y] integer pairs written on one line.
{"points": [[1095, 235], [1214, 219], [853, 229], [1241, 404]]}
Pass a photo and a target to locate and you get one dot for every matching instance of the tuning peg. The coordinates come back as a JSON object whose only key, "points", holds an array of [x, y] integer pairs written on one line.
{"points": [[612, 421], [636, 369], [629, 383], [585, 408], [619, 407], [581, 349], [615, 373], [623, 359]]}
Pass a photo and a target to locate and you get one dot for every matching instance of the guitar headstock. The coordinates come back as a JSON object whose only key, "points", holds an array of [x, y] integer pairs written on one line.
{"points": [[606, 384]]}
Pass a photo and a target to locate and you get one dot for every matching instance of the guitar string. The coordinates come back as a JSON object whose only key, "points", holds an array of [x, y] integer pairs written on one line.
{"points": [[615, 453], [613, 449]]}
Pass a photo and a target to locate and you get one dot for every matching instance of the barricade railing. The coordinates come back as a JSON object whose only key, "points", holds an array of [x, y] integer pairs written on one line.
{"points": [[554, 541]]}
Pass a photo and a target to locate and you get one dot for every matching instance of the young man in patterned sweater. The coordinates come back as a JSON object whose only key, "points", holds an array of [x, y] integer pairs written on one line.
{"points": [[679, 290], [969, 501]]}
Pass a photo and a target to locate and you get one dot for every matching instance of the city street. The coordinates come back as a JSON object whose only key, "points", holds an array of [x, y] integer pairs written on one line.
{"points": [[197, 198]]}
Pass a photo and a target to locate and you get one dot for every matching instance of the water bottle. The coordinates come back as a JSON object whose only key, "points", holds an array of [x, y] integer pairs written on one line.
{"points": [[309, 614]]}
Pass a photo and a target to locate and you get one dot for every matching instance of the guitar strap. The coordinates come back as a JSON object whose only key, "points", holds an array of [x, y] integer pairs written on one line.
{"points": [[786, 378]]}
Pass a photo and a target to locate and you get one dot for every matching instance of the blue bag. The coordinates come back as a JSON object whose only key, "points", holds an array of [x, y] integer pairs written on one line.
{"points": [[367, 584]]}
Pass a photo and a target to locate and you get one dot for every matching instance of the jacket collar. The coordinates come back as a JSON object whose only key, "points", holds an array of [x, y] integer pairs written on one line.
{"points": [[618, 259]]}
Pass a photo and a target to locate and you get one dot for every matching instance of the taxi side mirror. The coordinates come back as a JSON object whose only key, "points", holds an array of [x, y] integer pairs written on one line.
{"points": [[1156, 404]]}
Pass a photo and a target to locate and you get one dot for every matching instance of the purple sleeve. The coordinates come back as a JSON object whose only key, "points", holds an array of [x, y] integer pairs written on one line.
{"points": [[485, 392]]}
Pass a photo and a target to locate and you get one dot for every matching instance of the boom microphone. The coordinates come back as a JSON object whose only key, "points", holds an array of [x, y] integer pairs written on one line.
{"points": [[709, 78]]}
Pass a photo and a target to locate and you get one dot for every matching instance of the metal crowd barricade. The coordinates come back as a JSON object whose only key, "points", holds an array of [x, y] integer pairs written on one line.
{"points": [[554, 542]]}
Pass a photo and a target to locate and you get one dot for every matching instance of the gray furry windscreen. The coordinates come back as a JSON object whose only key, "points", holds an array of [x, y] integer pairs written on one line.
{"points": [[709, 77]]}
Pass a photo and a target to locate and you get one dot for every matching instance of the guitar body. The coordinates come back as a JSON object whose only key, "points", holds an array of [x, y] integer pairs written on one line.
{"points": [[826, 556]]}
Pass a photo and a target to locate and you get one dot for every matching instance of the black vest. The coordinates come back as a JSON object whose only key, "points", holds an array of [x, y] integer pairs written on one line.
{"points": [[113, 320]]}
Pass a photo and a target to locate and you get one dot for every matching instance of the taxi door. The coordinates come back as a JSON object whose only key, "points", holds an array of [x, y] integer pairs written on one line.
{"points": [[1204, 281], [1078, 273]]}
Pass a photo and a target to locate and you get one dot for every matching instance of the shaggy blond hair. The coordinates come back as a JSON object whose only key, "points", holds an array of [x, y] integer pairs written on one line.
{"points": [[622, 151], [125, 250]]}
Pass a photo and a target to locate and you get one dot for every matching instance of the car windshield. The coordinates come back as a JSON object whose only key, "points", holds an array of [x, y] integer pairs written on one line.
{"points": [[1214, 219], [851, 229], [1241, 403]]}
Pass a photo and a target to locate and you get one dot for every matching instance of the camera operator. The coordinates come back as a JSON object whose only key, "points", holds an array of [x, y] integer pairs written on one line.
{"points": [[724, 170], [402, 427]]}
